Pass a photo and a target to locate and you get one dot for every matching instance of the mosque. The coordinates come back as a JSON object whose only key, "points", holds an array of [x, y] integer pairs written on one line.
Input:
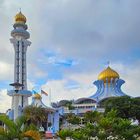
{"points": [[108, 84]]}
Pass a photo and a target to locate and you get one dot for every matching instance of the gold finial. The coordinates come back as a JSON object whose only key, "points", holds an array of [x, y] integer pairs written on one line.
{"points": [[108, 63], [20, 18]]}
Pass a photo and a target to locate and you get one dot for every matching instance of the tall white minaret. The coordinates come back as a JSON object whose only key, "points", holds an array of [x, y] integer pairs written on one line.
{"points": [[20, 41]]}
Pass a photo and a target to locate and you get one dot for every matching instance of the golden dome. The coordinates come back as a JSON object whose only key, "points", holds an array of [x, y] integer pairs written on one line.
{"points": [[109, 74], [37, 96], [20, 18]]}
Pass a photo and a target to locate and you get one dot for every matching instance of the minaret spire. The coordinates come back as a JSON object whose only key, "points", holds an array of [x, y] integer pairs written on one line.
{"points": [[20, 41]]}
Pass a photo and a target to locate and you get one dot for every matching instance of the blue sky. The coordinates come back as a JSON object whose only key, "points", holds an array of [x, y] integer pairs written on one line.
{"points": [[71, 44]]}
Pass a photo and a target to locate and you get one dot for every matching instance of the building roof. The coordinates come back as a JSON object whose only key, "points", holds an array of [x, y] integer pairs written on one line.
{"points": [[80, 100], [108, 74]]}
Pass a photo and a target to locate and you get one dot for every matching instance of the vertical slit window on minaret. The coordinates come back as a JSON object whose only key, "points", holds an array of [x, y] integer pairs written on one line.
{"points": [[18, 62], [23, 64]]}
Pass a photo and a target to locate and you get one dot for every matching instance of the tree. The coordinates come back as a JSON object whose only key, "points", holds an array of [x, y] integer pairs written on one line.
{"points": [[18, 129], [73, 119], [125, 106], [92, 116], [63, 134], [121, 104], [114, 126], [135, 109], [109, 126], [35, 115], [69, 104]]}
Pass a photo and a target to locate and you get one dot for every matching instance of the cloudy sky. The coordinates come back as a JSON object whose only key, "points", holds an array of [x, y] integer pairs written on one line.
{"points": [[72, 40]]}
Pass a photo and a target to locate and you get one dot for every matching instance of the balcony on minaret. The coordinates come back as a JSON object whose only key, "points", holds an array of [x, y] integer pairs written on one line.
{"points": [[18, 90], [17, 86]]}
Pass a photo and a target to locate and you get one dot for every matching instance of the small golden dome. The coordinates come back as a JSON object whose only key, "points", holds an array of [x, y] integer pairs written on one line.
{"points": [[108, 74], [20, 18], [37, 96]]}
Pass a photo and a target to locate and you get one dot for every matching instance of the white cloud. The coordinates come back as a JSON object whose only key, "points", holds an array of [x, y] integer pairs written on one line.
{"points": [[131, 75], [35, 71], [6, 71], [31, 84], [60, 91], [5, 101]]}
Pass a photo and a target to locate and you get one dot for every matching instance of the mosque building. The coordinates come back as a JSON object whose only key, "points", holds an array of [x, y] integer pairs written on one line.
{"points": [[108, 84]]}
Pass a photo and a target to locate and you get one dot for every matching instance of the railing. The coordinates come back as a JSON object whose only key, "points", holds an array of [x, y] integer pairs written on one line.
{"points": [[19, 92], [78, 110]]}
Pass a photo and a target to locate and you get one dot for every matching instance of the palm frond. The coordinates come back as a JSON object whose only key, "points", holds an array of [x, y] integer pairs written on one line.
{"points": [[20, 122], [9, 123], [33, 134]]}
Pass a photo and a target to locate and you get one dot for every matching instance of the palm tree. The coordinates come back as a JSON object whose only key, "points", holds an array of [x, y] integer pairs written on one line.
{"points": [[35, 115], [18, 129]]}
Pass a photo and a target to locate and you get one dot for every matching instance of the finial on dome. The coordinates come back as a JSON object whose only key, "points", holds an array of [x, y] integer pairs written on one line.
{"points": [[20, 18], [108, 63]]}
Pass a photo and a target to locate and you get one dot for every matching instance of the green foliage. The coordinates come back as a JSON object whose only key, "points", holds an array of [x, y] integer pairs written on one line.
{"points": [[63, 134], [69, 105], [14, 129], [92, 116], [79, 135], [66, 103], [73, 119], [35, 115], [125, 106], [135, 108], [104, 127]]}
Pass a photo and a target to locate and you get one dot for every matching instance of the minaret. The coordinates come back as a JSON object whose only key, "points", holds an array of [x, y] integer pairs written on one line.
{"points": [[19, 39]]}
